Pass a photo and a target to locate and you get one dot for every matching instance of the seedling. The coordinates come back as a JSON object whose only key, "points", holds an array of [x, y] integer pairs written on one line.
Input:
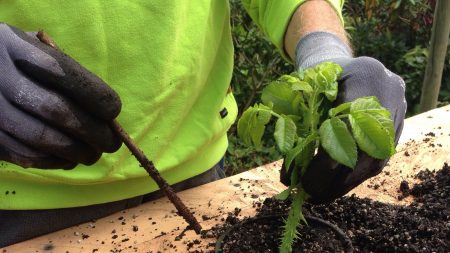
{"points": [[301, 103]]}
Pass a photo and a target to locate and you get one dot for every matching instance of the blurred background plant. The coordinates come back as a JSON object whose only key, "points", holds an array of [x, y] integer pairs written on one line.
{"points": [[396, 32]]}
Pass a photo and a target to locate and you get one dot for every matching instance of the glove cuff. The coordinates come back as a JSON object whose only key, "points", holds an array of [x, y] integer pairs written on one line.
{"points": [[317, 47]]}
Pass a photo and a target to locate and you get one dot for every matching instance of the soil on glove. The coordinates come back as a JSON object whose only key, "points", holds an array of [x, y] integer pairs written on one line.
{"points": [[423, 226]]}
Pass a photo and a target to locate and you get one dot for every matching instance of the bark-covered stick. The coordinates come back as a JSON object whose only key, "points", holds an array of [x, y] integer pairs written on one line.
{"points": [[151, 170], [143, 160], [44, 38]]}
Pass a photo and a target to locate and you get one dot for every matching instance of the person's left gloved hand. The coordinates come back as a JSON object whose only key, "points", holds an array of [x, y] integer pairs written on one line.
{"points": [[325, 179]]}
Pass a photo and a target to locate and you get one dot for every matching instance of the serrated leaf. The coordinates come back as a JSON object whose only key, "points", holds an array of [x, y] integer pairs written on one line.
{"points": [[369, 105], [309, 76], [300, 146], [342, 108], [331, 91], [252, 124], [371, 135], [301, 86], [288, 79], [338, 142], [323, 78], [332, 72], [388, 124], [373, 107], [285, 133], [322, 82], [328, 73], [281, 96], [305, 157], [297, 102], [284, 194], [364, 103]]}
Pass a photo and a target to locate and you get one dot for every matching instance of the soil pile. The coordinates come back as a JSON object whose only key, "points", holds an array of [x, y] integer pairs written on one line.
{"points": [[423, 226]]}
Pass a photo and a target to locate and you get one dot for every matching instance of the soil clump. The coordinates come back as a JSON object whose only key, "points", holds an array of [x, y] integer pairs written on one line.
{"points": [[372, 226]]}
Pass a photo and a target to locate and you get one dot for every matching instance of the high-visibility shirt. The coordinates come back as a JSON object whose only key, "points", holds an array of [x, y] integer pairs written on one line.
{"points": [[170, 62]]}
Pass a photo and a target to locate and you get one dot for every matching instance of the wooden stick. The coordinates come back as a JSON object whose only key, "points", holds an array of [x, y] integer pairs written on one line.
{"points": [[151, 170], [143, 160], [44, 38]]}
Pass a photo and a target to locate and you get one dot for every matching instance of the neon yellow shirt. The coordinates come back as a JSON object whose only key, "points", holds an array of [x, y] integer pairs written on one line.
{"points": [[171, 64]]}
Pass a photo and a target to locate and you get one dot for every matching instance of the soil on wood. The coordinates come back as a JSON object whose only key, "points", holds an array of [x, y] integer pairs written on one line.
{"points": [[423, 226]]}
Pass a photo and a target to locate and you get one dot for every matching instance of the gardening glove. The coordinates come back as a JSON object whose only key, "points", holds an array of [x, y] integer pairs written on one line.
{"points": [[325, 179], [54, 113]]}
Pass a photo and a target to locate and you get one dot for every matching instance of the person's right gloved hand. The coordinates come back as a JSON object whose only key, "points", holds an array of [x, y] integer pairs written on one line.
{"points": [[54, 113], [325, 179]]}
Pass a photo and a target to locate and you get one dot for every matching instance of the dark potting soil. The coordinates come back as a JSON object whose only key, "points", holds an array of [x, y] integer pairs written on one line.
{"points": [[264, 232], [423, 226]]}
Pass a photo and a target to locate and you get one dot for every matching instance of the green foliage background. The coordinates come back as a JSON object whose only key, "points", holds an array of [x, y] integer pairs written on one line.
{"points": [[396, 32]]}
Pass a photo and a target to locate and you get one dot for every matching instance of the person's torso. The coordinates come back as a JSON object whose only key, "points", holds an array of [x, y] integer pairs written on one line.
{"points": [[170, 62]]}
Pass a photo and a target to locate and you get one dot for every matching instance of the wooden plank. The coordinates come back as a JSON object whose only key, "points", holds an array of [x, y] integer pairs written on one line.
{"points": [[154, 219], [158, 226]]}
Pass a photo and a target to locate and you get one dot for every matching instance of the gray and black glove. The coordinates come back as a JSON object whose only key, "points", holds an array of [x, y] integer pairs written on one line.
{"points": [[325, 179], [53, 112]]}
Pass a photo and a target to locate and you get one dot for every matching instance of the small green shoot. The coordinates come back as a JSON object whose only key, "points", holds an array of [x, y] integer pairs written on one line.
{"points": [[301, 104]]}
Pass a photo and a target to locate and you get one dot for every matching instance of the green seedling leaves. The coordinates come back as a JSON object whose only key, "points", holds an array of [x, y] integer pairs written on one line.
{"points": [[299, 102], [284, 194], [326, 76], [338, 142], [281, 96], [372, 135], [342, 108], [294, 152], [388, 125], [252, 124], [285, 133], [331, 91], [331, 71], [369, 105], [301, 146], [301, 86], [372, 127]]}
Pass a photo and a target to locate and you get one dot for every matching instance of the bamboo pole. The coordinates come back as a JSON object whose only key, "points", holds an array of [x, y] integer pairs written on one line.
{"points": [[436, 57]]}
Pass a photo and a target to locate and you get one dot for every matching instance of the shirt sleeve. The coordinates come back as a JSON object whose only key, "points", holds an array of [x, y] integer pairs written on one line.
{"points": [[273, 16]]}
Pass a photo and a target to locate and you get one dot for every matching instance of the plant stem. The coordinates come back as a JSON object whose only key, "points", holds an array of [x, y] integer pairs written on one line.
{"points": [[295, 215], [151, 170]]}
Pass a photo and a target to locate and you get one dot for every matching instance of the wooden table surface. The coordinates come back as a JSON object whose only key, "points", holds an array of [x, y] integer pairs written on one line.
{"points": [[154, 226]]}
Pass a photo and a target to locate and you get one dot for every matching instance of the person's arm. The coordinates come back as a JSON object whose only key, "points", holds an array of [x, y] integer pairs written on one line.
{"points": [[312, 16], [308, 32], [274, 17]]}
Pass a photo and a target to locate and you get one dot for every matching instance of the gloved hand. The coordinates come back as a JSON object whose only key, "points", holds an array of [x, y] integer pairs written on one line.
{"points": [[325, 179], [54, 113]]}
